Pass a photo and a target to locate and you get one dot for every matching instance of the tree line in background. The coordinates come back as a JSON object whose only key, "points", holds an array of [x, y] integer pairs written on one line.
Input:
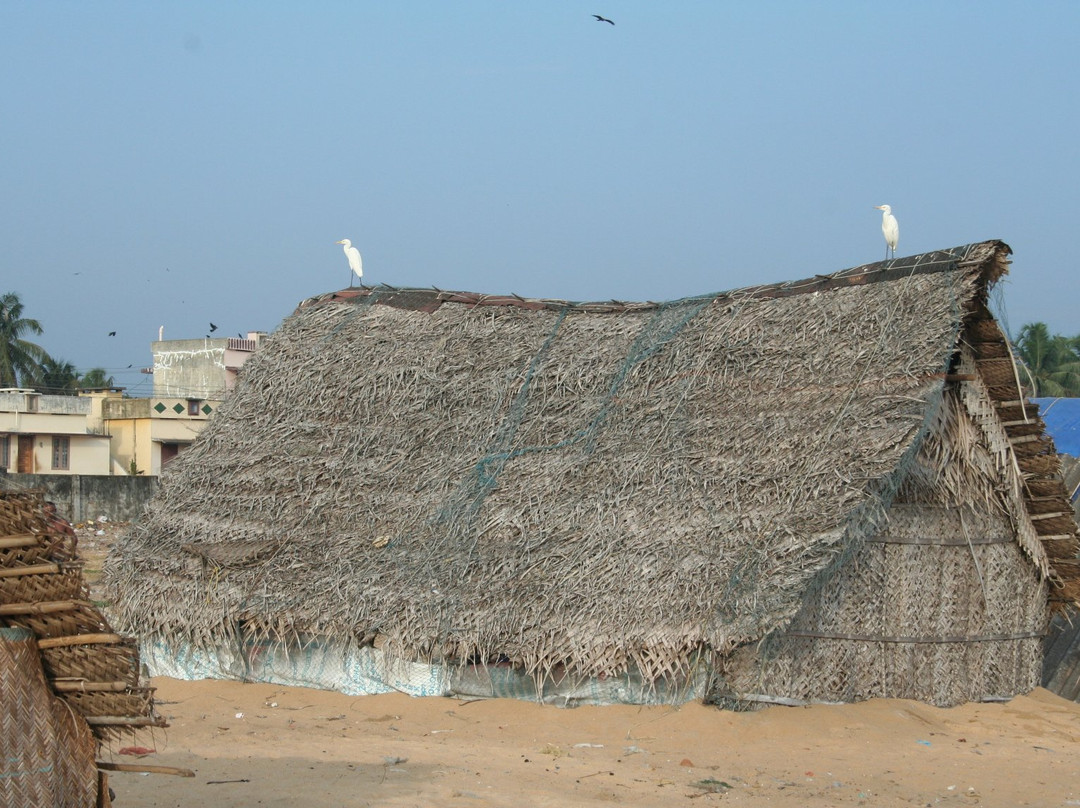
{"points": [[1049, 364], [26, 364]]}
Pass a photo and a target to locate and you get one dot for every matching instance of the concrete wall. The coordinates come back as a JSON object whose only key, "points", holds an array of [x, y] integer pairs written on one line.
{"points": [[189, 368], [200, 368], [79, 497], [138, 431], [24, 401], [120, 408], [131, 441], [87, 454], [99, 399], [44, 423]]}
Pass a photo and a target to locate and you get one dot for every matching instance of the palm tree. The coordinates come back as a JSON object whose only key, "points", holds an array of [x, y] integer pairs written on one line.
{"points": [[1051, 362], [55, 377], [95, 379], [18, 358]]}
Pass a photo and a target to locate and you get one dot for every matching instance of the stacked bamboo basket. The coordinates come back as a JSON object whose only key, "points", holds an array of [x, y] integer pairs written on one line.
{"points": [[46, 752], [54, 634]]}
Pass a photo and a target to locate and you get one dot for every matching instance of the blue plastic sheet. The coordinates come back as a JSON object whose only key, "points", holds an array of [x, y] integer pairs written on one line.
{"points": [[1062, 417]]}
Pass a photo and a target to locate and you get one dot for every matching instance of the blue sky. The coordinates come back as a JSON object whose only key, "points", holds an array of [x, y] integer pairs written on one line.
{"points": [[181, 163]]}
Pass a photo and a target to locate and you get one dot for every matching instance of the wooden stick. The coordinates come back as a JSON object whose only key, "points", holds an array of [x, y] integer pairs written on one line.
{"points": [[939, 542], [78, 639], [136, 767], [36, 569], [20, 540], [83, 686], [829, 635], [45, 607], [764, 698], [104, 800], [1025, 439], [124, 720]]}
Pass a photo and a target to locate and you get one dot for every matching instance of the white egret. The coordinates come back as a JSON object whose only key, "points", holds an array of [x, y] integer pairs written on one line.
{"points": [[355, 264], [890, 228]]}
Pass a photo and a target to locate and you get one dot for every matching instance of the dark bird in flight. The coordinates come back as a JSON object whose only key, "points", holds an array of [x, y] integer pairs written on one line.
{"points": [[213, 328], [603, 19], [112, 333]]}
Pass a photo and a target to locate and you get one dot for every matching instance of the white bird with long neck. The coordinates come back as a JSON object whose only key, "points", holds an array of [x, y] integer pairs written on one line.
{"points": [[889, 228], [355, 264]]}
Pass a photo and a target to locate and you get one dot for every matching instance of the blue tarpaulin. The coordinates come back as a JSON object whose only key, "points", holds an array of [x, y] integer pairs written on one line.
{"points": [[1062, 417]]}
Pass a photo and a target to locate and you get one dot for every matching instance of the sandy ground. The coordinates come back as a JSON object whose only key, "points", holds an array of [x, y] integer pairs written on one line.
{"points": [[268, 745], [259, 744], [94, 540]]}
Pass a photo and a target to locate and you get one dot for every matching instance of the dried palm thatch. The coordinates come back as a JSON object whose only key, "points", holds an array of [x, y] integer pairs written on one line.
{"points": [[609, 488]]}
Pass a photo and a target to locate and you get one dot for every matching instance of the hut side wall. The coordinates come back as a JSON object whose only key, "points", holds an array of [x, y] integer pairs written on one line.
{"points": [[942, 605], [918, 613]]}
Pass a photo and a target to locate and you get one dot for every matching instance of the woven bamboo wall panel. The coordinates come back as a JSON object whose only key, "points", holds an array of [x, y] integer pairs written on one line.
{"points": [[96, 663], [47, 753], [915, 521], [942, 674], [942, 624], [65, 584]]}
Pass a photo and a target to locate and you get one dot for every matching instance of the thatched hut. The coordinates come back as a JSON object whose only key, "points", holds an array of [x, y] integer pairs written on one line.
{"points": [[827, 489]]}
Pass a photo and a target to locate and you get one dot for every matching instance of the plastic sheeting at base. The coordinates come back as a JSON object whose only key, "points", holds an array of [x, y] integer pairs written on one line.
{"points": [[352, 671], [368, 671]]}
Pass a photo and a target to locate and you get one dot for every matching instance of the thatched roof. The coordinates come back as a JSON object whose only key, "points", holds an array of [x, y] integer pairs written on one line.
{"points": [[593, 486]]}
